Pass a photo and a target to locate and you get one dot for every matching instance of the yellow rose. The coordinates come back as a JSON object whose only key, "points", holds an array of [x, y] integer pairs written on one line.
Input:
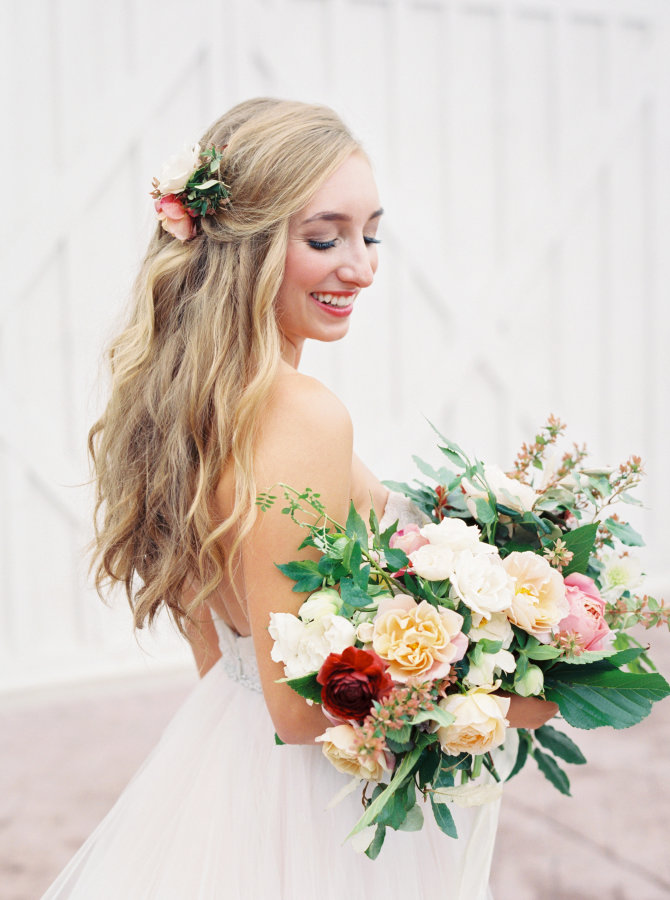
{"points": [[338, 748], [417, 639], [479, 724], [539, 601]]}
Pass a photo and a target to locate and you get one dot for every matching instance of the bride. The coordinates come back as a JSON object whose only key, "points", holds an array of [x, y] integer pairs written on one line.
{"points": [[273, 246]]}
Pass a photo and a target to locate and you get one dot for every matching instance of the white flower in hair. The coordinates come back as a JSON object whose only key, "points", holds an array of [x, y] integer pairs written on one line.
{"points": [[178, 169]]}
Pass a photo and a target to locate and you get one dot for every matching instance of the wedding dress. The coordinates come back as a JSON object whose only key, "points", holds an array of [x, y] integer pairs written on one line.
{"points": [[218, 811]]}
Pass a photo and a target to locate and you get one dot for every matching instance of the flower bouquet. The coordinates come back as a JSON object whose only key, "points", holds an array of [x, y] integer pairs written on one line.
{"points": [[521, 583]]}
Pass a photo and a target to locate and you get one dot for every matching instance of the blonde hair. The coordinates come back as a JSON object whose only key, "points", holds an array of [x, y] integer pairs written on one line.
{"points": [[192, 369]]}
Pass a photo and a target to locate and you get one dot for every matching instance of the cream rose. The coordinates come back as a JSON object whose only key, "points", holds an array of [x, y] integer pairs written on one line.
{"points": [[507, 491], [417, 639], [482, 583], [338, 748], [539, 601], [479, 724], [495, 627], [434, 562], [178, 169]]}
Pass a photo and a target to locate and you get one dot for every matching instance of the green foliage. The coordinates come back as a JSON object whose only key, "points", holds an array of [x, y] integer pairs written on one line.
{"points": [[444, 818], [624, 532], [307, 686], [551, 770], [305, 573], [580, 542], [560, 745]]}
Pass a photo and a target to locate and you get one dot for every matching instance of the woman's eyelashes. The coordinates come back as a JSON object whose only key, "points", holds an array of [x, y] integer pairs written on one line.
{"points": [[326, 245]]}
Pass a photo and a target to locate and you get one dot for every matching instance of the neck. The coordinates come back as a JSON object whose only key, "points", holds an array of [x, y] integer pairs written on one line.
{"points": [[291, 352]]}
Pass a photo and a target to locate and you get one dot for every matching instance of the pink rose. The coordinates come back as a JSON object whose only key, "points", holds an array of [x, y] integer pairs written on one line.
{"points": [[175, 218], [408, 539], [586, 618]]}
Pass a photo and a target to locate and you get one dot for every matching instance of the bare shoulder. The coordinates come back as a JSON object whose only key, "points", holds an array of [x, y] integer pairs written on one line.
{"points": [[304, 428]]}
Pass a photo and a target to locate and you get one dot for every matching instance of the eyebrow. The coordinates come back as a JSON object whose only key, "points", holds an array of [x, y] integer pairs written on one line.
{"points": [[328, 216]]}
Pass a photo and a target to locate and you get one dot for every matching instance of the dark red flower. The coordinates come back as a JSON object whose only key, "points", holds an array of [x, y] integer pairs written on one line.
{"points": [[351, 681]]}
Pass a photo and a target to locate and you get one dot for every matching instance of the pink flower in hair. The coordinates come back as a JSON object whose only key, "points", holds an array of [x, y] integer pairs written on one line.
{"points": [[175, 218]]}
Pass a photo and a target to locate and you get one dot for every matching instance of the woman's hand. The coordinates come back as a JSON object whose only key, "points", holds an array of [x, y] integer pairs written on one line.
{"points": [[528, 712]]}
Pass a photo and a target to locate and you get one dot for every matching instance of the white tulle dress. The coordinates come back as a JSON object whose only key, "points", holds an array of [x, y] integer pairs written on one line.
{"points": [[218, 810]]}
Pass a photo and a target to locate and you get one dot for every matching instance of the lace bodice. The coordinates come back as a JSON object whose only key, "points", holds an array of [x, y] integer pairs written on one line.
{"points": [[238, 655]]}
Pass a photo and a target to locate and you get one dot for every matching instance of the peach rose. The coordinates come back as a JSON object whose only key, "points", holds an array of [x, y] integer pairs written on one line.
{"points": [[479, 725], [174, 218], [338, 748], [417, 639], [539, 601]]}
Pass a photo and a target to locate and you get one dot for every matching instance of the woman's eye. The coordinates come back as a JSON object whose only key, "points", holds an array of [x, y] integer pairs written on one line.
{"points": [[371, 240], [321, 245]]}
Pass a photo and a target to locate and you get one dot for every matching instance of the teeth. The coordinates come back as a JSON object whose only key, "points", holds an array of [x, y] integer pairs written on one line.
{"points": [[333, 300]]}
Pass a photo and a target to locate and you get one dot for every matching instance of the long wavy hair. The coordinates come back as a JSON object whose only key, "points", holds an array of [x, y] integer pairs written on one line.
{"points": [[193, 367]]}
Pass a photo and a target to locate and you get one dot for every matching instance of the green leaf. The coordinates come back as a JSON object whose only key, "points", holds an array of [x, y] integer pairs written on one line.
{"points": [[441, 716], [484, 513], [352, 595], [413, 820], [552, 771], [403, 769], [525, 743], [580, 542], [444, 818], [377, 842], [305, 573], [560, 744], [625, 533], [395, 811], [454, 457], [543, 651], [307, 686], [278, 740], [355, 526], [396, 559], [599, 694], [441, 475]]}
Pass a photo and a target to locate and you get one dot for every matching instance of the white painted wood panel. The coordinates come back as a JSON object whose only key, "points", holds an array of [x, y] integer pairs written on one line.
{"points": [[521, 152]]}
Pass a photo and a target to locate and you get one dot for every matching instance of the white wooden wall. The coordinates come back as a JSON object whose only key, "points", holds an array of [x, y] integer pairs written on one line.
{"points": [[521, 150]]}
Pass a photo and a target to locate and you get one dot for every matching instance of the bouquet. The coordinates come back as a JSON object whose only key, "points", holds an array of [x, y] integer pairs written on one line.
{"points": [[522, 583]]}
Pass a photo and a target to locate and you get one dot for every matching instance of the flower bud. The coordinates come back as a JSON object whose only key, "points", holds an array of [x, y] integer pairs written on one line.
{"points": [[531, 682], [324, 602]]}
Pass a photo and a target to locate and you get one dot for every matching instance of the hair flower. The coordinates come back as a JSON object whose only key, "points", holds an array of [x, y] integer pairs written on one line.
{"points": [[188, 188]]}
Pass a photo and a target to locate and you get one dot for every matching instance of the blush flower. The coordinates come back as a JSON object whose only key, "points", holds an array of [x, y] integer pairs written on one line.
{"points": [[351, 681], [174, 218], [417, 640], [408, 539], [585, 622]]}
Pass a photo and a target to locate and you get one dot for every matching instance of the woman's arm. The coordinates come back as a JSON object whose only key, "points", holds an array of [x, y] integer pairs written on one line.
{"points": [[306, 441], [529, 712]]}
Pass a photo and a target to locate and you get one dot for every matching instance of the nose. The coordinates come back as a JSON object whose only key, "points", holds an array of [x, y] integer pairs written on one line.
{"points": [[359, 265]]}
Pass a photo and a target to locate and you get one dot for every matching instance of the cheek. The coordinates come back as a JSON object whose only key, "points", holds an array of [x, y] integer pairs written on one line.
{"points": [[304, 269]]}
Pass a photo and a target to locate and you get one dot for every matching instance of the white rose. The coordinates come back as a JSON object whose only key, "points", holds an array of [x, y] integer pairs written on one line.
{"points": [[434, 562], [456, 535], [619, 574], [539, 601], [304, 646], [495, 627], [178, 169], [489, 666], [507, 491], [320, 603], [482, 583]]}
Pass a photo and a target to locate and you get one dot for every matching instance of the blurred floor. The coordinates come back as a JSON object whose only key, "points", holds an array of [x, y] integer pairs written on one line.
{"points": [[66, 755]]}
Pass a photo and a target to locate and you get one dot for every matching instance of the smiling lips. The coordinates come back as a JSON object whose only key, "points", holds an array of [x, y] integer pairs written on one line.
{"points": [[337, 304]]}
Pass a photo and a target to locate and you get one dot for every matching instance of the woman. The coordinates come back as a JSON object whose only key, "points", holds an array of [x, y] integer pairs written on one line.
{"points": [[208, 409]]}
